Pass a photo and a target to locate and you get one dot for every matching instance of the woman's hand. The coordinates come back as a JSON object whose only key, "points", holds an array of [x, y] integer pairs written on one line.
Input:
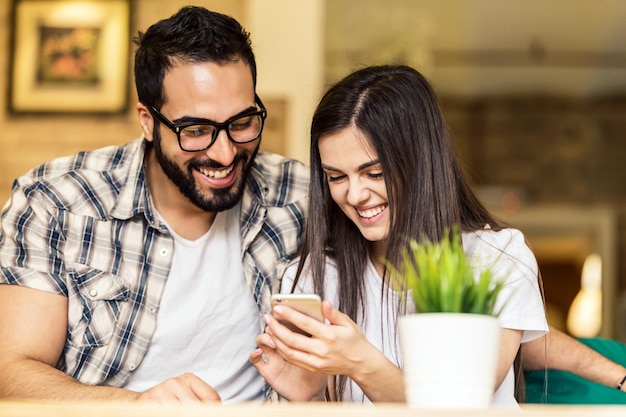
{"points": [[290, 381], [337, 347]]}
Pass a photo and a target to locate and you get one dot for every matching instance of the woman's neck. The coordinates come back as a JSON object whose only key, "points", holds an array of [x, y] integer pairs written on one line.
{"points": [[377, 252]]}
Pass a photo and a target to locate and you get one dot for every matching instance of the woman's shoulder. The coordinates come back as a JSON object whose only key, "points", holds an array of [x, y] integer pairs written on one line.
{"points": [[293, 264], [504, 246], [502, 239], [487, 242], [289, 275]]}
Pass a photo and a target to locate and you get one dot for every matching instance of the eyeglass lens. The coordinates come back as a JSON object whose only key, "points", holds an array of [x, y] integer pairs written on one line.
{"points": [[241, 130]]}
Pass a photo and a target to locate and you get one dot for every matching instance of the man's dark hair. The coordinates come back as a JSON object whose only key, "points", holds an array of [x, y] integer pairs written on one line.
{"points": [[194, 34]]}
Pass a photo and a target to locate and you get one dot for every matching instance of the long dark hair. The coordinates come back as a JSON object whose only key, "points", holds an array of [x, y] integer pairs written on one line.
{"points": [[397, 110], [193, 34]]}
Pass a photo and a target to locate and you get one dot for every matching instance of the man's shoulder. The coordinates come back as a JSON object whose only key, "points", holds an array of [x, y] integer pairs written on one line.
{"points": [[100, 160], [95, 177], [279, 165], [282, 180]]}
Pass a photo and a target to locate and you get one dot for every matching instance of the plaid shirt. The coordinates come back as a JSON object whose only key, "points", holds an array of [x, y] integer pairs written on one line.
{"points": [[84, 227]]}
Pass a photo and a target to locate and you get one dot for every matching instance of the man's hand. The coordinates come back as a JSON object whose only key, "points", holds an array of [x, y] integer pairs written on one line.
{"points": [[186, 388]]}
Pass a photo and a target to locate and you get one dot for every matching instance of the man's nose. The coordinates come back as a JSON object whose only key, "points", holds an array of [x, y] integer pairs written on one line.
{"points": [[223, 149]]}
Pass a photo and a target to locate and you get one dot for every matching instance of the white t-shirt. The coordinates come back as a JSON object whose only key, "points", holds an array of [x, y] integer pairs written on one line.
{"points": [[511, 259], [208, 321]]}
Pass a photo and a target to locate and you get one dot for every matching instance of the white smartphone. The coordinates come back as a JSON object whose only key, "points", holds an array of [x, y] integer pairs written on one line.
{"points": [[309, 304]]}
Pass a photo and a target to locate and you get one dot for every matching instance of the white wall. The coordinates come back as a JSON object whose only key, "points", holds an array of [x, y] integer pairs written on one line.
{"points": [[288, 40]]}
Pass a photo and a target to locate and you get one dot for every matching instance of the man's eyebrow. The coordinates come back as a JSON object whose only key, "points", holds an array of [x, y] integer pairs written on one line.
{"points": [[200, 120], [359, 168]]}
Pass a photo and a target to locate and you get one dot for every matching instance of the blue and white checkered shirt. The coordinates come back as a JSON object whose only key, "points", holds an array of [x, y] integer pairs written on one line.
{"points": [[84, 227]]}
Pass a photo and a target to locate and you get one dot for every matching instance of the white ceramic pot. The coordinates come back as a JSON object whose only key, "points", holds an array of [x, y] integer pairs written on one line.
{"points": [[450, 359]]}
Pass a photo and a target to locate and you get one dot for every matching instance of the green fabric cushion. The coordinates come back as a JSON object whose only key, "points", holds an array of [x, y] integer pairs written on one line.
{"points": [[567, 388]]}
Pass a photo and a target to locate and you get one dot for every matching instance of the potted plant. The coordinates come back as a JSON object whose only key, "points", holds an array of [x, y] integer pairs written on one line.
{"points": [[450, 346]]}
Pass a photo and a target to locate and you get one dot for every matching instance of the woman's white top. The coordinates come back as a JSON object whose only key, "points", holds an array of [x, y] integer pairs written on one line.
{"points": [[504, 251]]}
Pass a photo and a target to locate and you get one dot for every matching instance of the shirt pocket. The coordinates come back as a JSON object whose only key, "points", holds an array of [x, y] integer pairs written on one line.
{"points": [[95, 300]]}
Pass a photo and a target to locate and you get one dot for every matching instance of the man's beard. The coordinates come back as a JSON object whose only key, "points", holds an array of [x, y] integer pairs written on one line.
{"points": [[221, 198]]}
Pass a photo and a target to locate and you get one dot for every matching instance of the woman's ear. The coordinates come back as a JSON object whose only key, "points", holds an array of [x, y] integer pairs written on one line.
{"points": [[146, 121]]}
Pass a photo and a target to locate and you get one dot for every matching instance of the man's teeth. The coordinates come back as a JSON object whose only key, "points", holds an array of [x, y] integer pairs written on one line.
{"points": [[372, 212], [218, 174]]}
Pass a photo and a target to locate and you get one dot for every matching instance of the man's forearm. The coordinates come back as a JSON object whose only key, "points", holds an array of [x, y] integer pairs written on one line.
{"points": [[29, 379], [560, 351]]}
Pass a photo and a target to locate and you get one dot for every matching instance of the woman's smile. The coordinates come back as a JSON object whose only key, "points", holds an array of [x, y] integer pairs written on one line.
{"points": [[371, 213]]}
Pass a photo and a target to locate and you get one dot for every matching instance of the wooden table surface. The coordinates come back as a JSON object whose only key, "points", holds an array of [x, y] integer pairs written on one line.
{"points": [[120, 409]]}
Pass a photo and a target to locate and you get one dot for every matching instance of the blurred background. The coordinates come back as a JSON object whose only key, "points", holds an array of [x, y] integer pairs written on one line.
{"points": [[534, 93]]}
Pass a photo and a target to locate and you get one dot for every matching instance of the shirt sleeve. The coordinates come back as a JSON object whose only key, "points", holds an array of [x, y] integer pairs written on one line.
{"points": [[520, 302], [30, 244]]}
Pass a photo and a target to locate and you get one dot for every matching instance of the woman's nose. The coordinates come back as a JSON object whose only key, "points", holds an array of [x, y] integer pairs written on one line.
{"points": [[357, 193]]}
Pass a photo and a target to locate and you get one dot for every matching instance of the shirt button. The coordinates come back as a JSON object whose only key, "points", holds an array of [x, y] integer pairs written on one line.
{"points": [[93, 292], [152, 310], [164, 252], [131, 367]]}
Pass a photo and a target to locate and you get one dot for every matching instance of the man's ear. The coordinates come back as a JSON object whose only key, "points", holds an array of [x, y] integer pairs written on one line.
{"points": [[145, 120]]}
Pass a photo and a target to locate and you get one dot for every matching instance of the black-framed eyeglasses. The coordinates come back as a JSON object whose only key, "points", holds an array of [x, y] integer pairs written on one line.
{"points": [[200, 134]]}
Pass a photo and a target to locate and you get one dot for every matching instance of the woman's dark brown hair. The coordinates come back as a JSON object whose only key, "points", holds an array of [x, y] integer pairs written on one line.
{"points": [[398, 111]]}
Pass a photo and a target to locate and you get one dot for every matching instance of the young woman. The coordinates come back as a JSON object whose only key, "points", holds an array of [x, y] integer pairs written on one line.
{"points": [[383, 169]]}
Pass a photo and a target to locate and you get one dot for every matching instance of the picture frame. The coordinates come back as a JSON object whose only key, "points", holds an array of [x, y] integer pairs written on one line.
{"points": [[69, 56]]}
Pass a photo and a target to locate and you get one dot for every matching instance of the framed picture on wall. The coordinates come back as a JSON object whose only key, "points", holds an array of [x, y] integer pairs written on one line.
{"points": [[69, 56]]}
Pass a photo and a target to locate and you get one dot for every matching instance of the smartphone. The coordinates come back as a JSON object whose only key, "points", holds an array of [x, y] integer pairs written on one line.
{"points": [[309, 304]]}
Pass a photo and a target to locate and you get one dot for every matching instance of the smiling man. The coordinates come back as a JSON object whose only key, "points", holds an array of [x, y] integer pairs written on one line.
{"points": [[142, 271]]}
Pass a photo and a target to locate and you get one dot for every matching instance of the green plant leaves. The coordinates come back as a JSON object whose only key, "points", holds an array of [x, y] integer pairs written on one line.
{"points": [[440, 279]]}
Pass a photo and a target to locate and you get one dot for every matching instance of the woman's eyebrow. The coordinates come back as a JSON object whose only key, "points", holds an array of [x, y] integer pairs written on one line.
{"points": [[368, 164], [359, 168], [329, 168]]}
